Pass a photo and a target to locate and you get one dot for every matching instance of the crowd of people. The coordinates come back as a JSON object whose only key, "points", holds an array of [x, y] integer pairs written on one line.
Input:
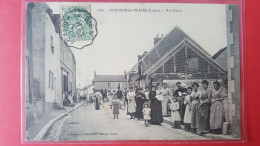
{"points": [[198, 110]]}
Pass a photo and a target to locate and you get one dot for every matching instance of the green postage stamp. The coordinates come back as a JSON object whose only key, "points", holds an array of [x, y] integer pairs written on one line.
{"points": [[78, 27]]}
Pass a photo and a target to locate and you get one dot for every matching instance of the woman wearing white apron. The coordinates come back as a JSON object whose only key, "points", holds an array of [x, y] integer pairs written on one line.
{"points": [[187, 115], [166, 96], [131, 102]]}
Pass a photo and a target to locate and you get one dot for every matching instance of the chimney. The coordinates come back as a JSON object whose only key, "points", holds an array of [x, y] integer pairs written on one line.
{"points": [[157, 39], [95, 74], [125, 74]]}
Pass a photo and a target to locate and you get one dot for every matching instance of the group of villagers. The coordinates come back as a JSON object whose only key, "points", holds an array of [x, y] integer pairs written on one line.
{"points": [[199, 109]]}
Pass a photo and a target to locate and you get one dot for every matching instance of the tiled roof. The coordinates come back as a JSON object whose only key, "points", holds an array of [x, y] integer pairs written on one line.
{"points": [[109, 78], [167, 43], [218, 53]]}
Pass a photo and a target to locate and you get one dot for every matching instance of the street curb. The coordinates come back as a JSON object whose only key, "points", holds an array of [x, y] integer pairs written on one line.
{"points": [[48, 126], [167, 120]]}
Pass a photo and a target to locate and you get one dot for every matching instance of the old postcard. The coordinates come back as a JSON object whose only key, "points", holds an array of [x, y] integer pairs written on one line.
{"points": [[132, 71]]}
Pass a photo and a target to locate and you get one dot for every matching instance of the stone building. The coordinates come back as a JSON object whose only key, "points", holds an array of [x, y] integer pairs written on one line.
{"points": [[109, 83], [68, 71], [233, 68], [44, 64]]}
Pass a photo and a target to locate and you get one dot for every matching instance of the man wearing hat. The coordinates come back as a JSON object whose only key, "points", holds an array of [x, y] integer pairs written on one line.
{"points": [[178, 95], [119, 94], [139, 99]]}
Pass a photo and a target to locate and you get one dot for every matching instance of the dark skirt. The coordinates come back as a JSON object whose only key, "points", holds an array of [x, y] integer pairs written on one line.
{"points": [[182, 110], [116, 108], [139, 112], [182, 107], [139, 108], [97, 106], [156, 112], [194, 114], [204, 115]]}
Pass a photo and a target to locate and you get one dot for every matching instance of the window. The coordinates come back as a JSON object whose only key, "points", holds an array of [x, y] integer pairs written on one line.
{"points": [[51, 79], [192, 64], [52, 46], [109, 85], [64, 81]]}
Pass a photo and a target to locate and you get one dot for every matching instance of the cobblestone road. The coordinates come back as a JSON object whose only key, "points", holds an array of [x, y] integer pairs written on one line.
{"points": [[86, 124]]}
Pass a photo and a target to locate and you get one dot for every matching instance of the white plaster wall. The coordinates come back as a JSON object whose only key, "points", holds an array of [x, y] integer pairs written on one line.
{"points": [[52, 62], [103, 85]]}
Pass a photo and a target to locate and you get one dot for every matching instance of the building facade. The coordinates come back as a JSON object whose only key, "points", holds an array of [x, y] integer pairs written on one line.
{"points": [[233, 68], [132, 77], [109, 83], [44, 64], [68, 71], [176, 57]]}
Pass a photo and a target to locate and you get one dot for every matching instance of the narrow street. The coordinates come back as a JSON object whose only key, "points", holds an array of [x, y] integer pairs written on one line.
{"points": [[87, 124]]}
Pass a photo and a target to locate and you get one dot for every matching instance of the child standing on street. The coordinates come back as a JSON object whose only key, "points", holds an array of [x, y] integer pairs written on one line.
{"points": [[146, 114], [175, 115], [116, 105], [187, 115], [110, 99]]}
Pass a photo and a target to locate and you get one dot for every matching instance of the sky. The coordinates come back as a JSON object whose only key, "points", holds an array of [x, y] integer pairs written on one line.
{"points": [[122, 36]]}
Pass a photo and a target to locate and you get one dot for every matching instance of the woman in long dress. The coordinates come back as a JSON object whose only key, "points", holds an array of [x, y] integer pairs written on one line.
{"points": [[166, 96], [156, 108], [139, 100], [187, 115], [146, 93], [195, 95], [204, 108], [217, 113], [98, 96], [131, 102]]}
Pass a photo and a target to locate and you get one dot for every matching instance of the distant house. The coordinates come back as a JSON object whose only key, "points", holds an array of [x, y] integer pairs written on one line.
{"points": [[85, 91], [109, 82]]}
